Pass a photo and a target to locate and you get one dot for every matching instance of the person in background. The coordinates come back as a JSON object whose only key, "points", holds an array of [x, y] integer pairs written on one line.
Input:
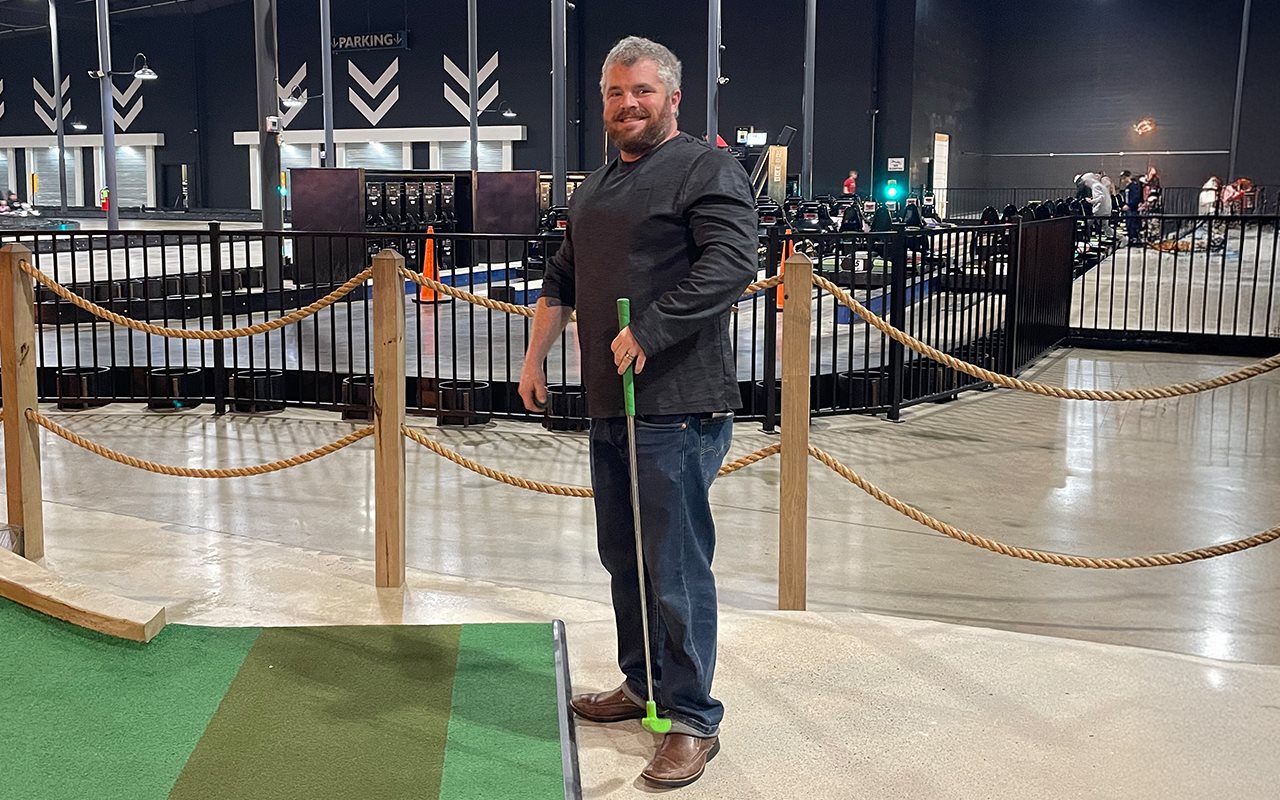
{"points": [[1150, 183], [851, 183], [1132, 202], [1105, 179]]}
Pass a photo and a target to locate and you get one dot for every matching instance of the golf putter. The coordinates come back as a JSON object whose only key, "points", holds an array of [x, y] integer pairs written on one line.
{"points": [[652, 722]]}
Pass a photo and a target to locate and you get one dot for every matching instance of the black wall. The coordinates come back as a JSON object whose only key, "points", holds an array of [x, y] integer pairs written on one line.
{"points": [[999, 77], [950, 58], [1075, 77]]}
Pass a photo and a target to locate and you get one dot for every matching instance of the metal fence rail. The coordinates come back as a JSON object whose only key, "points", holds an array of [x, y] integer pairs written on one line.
{"points": [[950, 287], [966, 203], [1204, 283]]}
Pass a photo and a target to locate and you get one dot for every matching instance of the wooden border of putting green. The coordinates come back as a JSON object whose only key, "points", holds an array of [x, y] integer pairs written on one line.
{"points": [[35, 587]]}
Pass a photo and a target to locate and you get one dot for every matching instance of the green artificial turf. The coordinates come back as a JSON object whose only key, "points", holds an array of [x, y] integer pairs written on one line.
{"points": [[321, 712]]}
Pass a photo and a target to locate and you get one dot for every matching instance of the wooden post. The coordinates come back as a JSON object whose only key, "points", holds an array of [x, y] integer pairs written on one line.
{"points": [[388, 416], [18, 371], [793, 541]]}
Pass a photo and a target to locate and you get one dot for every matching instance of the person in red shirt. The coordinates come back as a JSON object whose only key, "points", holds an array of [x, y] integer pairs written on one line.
{"points": [[851, 182]]}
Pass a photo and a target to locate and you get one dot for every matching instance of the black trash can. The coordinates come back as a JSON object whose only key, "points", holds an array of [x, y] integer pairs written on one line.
{"points": [[84, 387], [255, 391], [173, 388], [357, 397], [464, 403], [566, 408]]}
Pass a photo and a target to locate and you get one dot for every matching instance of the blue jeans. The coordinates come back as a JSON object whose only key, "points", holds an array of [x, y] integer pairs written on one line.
{"points": [[677, 458]]}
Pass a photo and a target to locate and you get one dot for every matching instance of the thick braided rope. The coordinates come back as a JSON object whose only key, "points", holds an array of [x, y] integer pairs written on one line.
{"points": [[462, 294], [188, 472], [1041, 556], [554, 488], [1045, 390], [191, 333], [526, 311]]}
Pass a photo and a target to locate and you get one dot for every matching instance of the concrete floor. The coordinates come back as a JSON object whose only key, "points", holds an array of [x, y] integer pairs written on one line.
{"points": [[924, 668]]}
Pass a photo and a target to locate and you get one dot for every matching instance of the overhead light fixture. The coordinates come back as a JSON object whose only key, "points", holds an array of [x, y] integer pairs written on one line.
{"points": [[508, 113], [79, 126], [142, 73], [1144, 126], [293, 101]]}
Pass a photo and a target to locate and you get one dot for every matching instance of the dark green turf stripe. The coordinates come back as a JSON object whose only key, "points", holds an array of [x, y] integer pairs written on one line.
{"points": [[341, 712], [504, 735], [84, 715]]}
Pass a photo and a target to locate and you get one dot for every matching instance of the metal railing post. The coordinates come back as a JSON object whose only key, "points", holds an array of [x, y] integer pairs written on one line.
{"points": [[218, 322], [769, 376], [896, 249]]}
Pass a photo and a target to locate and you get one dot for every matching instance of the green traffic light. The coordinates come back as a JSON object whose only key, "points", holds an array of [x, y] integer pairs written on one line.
{"points": [[891, 192]]}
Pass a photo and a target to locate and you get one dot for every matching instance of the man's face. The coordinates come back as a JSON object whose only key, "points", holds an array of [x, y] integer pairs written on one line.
{"points": [[638, 113]]}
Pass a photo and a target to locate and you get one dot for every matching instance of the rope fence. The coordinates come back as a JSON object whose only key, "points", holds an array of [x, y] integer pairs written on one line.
{"points": [[190, 472], [1040, 556], [194, 333], [1045, 390], [552, 488]]}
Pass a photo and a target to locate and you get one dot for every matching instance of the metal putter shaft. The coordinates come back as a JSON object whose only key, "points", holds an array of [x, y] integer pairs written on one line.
{"points": [[651, 721]]}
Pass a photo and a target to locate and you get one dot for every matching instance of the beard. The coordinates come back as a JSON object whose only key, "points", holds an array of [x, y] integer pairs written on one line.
{"points": [[655, 130]]}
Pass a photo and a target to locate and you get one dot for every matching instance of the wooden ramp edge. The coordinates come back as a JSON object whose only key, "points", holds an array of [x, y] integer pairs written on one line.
{"points": [[37, 588]]}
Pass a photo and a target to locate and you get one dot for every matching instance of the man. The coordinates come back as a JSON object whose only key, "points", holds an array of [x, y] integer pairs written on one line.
{"points": [[1132, 202], [851, 183], [670, 224], [1099, 199]]}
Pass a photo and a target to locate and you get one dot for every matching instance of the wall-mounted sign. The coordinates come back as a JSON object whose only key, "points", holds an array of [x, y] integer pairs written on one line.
{"points": [[897, 164], [389, 40]]}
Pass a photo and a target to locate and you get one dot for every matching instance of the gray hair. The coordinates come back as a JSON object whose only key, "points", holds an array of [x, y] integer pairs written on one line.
{"points": [[636, 48]]}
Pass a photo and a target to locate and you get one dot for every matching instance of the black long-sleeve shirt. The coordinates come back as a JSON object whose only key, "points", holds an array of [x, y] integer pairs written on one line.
{"points": [[675, 232]]}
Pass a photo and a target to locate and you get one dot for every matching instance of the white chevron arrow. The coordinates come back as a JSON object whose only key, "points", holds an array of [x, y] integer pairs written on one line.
{"points": [[123, 122], [287, 89], [456, 102], [375, 88], [455, 73], [487, 70], [48, 96], [123, 98], [373, 116], [45, 118]]}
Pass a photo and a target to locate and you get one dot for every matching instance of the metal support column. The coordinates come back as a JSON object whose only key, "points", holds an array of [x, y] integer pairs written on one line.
{"points": [[713, 70], [1235, 114], [264, 34], [810, 67], [559, 104], [108, 123], [326, 86], [473, 67], [57, 111]]}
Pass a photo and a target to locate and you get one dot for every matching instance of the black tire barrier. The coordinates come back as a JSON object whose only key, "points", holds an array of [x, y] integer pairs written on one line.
{"points": [[256, 391], [464, 403], [357, 397], [174, 388], [566, 408], [863, 388], [759, 396], [84, 387]]}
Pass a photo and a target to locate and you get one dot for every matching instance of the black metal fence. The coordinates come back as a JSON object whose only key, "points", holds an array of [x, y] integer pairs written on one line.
{"points": [[1207, 284], [966, 203], [981, 293]]}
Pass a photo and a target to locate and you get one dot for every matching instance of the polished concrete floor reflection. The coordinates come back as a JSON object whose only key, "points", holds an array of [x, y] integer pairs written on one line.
{"points": [[924, 667]]}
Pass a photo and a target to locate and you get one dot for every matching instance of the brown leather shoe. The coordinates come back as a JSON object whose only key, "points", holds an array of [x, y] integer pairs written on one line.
{"points": [[611, 706], [680, 760]]}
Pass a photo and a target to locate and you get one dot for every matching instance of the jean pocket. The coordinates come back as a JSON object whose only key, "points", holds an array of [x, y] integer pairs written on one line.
{"points": [[662, 422]]}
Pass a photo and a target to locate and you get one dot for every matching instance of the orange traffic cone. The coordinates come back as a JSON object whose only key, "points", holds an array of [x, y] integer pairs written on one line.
{"points": [[425, 293], [788, 250]]}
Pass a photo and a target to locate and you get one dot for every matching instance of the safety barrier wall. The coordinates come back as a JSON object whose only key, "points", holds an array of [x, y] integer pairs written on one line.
{"points": [[463, 360], [1206, 284]]}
